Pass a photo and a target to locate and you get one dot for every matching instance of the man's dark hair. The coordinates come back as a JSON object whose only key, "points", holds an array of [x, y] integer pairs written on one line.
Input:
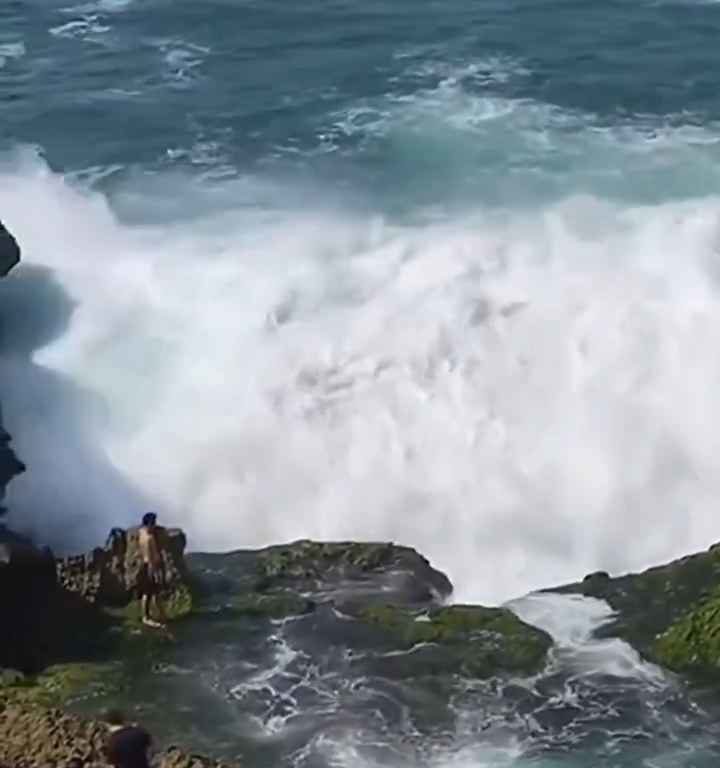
{"points": [[149, 518], [114, 717], [76, 762]]}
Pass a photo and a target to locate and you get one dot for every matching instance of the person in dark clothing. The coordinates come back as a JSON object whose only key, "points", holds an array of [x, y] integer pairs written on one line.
{"points": [[128, 745]]}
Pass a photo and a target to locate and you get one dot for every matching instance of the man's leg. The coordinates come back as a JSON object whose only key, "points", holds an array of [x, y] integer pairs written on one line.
{"points": [[146, 617], [159, 610]]}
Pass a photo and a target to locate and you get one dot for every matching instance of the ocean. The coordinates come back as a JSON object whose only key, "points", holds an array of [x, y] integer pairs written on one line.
{"points": [[446, 274]]}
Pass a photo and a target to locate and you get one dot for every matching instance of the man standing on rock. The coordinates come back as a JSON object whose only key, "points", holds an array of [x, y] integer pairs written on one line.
{"points": [[151, 574]]}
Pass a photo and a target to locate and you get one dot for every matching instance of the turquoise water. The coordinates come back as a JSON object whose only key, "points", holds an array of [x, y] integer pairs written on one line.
{"points": [[441, 273], [434, 104]]}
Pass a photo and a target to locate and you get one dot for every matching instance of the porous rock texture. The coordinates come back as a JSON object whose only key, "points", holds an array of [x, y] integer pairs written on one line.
{"points": [[36, 737]]}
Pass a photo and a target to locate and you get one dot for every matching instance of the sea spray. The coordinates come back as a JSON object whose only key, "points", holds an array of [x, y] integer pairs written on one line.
{"points": [[523, 395]]}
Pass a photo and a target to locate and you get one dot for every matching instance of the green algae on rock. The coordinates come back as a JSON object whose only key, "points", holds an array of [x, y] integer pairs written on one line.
{"points": [[305, 564], [60, 683], [692, 643], [480, 641], [670, 613], [292, 579], [276, 605]]}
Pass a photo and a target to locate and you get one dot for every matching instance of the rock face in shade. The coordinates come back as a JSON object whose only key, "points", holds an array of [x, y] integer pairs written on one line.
{"points": [[49, 608], [27, 599]]}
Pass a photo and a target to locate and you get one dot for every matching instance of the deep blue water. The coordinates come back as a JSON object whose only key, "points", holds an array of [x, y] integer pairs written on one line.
{"points": [[490, 99]]}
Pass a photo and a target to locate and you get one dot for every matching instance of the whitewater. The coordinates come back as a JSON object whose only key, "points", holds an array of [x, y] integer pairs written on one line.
{"points": [[430, 306], [440, 274]]}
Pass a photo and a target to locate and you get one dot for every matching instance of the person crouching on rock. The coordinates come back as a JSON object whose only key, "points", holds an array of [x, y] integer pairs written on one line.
{"points": [[128, 746], [150, 579]]}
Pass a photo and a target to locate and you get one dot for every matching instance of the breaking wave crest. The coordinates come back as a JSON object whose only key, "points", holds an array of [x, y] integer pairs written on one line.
{"points": [[522, 394]]}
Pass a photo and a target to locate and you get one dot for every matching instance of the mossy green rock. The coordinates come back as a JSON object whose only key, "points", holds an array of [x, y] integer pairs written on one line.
{"points": [[62, 682], [311, 559], [479, 641], [309, 562], [275, 605], [670, 613], [176, 604], [692, 643]]}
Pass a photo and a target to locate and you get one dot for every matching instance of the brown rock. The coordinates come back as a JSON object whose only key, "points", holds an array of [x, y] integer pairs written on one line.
{"points": [[34, 737], [109, 576]]}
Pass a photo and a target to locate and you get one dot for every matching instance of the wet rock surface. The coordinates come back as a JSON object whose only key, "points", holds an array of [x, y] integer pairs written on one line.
{"points": [[381, 597], [670, 613], [298, 653]]}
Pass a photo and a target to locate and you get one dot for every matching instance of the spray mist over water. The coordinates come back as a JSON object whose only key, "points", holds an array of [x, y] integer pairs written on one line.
{"points": [[523, 395]]}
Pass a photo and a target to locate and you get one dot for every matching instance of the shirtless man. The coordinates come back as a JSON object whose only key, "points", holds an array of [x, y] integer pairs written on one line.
{"points": [[151, 575]]}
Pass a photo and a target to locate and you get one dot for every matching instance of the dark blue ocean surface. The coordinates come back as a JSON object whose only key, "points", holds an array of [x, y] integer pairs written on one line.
{"points": [[429, 102]]}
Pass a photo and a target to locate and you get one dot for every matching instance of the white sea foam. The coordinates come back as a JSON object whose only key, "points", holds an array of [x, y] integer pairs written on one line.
{"points": [[13, 50], [86, 27], [572, 620], [523, 395]]}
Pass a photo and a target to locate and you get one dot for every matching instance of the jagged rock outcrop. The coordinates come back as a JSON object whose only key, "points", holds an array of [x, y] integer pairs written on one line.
{"points": [[109, 576], [36, 737], [54, 610]]}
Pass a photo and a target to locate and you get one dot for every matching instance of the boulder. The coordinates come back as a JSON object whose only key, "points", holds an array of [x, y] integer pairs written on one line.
{"points": [[322, 566], [109, 576]]}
